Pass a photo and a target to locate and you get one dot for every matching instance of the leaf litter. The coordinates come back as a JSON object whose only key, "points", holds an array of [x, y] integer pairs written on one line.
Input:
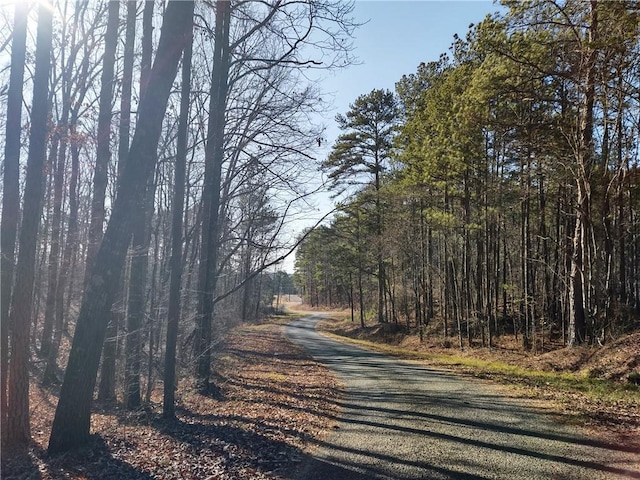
{"points": [[274, 404]]}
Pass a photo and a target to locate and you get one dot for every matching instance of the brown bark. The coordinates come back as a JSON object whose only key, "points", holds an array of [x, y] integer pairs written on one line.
{"points": [[103, 153], [73, 414], [11, 191], [18, 431]]}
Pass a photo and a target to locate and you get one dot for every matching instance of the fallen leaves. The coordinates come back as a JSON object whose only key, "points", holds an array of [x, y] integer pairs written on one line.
{"points": [[275, 403]]}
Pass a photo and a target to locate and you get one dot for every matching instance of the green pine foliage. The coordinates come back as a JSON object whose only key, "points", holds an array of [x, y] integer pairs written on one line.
{"points": [[491, 155]]}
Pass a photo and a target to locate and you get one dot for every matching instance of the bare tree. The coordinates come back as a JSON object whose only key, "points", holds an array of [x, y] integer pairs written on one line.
{"points": [[103, 154], [107, 387], [11, 189], [18, 431], [73, 413], [173, 314]]}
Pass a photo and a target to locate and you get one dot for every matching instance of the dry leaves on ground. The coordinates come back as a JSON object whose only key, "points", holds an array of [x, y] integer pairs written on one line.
{"points": [[274, 402]]}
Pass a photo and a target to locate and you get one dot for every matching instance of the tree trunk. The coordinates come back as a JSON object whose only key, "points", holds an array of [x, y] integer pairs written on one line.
{"points": [[54, 258], [103, 152], [70, 249], [577, 281], [73, 413], [137, 295], [107, 387], [11, 192], [214, 156], [173, 314], [18, 431], [72, 77]]}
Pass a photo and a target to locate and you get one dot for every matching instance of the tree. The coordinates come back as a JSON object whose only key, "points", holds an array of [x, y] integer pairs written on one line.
{"points": [[365, 148], [214, 157], [103, 152], [173, 313], [62, 136], [107, 387], [72, 418], [578, 286], [11, 190], [18, 431], [263, 131]]}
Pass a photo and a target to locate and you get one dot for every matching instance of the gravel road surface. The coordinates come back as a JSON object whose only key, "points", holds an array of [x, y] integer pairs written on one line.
{"points": [[401, 420]]}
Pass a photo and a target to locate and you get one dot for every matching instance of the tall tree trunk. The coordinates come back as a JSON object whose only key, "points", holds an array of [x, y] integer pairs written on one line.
{"points": [[67, 133], [176, 263], [137, 294], [59, 166], [381, 270], [73, 413], [44, 237], [351, 303], [54, 255], [577, 281], [103, 151], [107, 387], [18, 431], [124, 130], [214, 156], [11, 192], [65, 268], [71, 248], [147, 45]]}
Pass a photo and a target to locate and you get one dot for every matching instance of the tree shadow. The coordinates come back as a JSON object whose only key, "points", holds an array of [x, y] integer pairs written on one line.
{"points": [[16, 464], [396, 403], [239, 448], [93, 462]]}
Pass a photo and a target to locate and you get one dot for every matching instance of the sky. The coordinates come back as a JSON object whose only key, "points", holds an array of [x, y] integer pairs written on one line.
{"points": [[398, 35]]}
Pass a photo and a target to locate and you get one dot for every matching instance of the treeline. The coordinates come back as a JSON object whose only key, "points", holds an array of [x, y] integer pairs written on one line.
{"points": [[497, 190], [155, 154]]}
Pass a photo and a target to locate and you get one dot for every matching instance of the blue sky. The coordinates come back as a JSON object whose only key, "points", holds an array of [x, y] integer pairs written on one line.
{"points": [[397, 37]]}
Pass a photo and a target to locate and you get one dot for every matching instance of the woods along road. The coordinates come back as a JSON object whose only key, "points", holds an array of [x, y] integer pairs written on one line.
{"points": [[401, 420]]}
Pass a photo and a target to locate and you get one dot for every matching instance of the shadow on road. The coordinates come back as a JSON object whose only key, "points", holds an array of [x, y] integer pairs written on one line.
{"points": [[401, 420]]}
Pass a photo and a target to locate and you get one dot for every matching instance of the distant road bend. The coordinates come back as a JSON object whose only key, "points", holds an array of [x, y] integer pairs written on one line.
{"points": [[404, 421]]}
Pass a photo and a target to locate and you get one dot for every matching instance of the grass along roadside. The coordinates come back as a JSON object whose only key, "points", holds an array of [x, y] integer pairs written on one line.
{"points": [[580, 382], [610, 407]]}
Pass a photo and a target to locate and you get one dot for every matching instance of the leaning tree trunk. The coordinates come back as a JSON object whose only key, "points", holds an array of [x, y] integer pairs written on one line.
{"points": [[18, 431], [73, 413], [107, 387]]}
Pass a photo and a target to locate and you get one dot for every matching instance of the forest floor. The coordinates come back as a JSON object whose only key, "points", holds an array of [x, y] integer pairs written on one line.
{"points": [[274, 402], [593, 387]]}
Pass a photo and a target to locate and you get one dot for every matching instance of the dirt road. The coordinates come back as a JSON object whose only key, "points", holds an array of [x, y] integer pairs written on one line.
{"points": [[404, 421]]}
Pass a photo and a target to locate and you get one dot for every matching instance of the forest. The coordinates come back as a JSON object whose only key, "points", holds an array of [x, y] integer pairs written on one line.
{"points": [[158, 154], [155, 156], [495, 191]]}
